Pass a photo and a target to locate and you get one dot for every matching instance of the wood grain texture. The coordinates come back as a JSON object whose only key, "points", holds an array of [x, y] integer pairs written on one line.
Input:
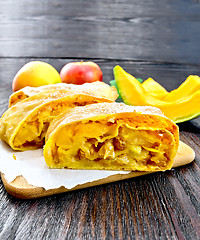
{"points": [[169, 75], [164, 31]]}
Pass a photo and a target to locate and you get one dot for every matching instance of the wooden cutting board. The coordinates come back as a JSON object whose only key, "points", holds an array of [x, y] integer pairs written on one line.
{"points": [[20, 188]]}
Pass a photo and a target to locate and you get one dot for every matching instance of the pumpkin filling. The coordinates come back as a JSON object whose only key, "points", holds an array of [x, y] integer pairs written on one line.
{"points": [[111, 145], [33, 131], [32, 134]]}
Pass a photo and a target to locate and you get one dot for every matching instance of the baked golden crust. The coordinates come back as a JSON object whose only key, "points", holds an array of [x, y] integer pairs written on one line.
{"points": [[97, 89], [23, 126], [112, 136]]}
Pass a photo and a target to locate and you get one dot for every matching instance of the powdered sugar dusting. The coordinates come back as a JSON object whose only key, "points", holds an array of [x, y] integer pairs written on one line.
{"points": [[99, 109], [96, 89]]}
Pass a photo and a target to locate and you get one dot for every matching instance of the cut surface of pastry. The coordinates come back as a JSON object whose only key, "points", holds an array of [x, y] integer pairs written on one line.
{"points": [[99, 89], [23, 126], [112, 136]]}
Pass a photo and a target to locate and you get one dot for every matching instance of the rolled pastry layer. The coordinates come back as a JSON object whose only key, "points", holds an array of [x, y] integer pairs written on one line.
{"points": [[99, 89], [112, 136], [23, 126]]}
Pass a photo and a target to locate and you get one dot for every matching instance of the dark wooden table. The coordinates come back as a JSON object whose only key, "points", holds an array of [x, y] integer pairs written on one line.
{"points": [[158, 39]]}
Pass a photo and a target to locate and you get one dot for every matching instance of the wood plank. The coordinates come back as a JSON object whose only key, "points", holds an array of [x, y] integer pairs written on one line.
{"points": [[169, 75], [20, 188], [166, 31]]}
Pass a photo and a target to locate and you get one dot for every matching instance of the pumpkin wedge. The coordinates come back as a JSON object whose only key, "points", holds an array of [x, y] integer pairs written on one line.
{"points": [[181, 105]]}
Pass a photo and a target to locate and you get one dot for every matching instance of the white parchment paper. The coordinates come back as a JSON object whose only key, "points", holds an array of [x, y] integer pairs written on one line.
{"points": [[31, 165]]}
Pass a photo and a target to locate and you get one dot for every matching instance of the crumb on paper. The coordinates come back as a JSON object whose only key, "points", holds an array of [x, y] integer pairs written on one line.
{"points": [[14, 156]]}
